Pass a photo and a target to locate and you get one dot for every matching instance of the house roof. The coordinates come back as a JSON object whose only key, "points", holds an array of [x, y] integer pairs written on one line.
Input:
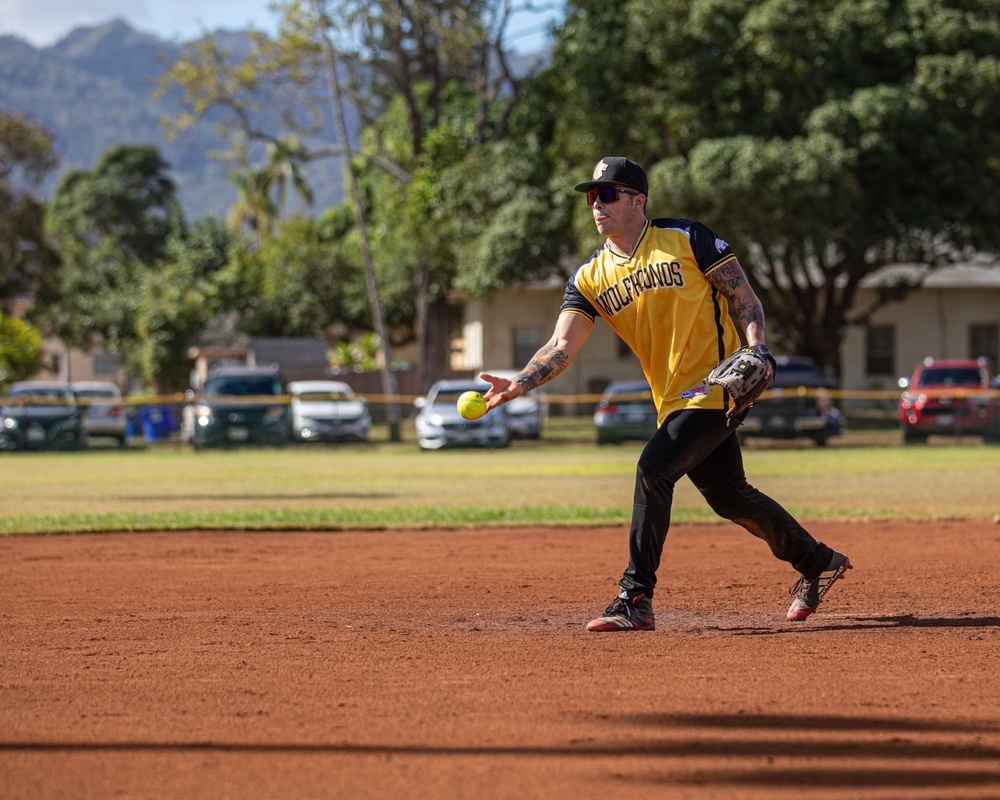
{"points": [[290, 351], [955, 276]]}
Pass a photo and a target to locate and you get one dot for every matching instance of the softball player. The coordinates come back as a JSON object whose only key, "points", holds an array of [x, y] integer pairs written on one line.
{"points": [[665, 286]]}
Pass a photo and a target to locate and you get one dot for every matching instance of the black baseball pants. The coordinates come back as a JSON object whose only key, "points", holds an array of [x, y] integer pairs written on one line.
{"points": [[702, 444]]}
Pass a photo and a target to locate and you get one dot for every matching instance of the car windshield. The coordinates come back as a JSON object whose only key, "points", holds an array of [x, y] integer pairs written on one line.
{"points": [[950, 376], [243, 387], [44, 397], [95, 393], [635, 393]]}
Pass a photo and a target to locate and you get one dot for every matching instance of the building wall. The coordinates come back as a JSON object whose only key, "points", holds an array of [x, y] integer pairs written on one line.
{"points": [[931, 322], [60, 363]]}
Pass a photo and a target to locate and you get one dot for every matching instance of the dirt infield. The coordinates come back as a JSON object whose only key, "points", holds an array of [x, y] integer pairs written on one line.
{"points": [[454, 664]]}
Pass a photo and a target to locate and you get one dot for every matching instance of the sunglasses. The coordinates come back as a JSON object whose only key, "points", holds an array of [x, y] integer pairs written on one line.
{"points": [[607, 194]]}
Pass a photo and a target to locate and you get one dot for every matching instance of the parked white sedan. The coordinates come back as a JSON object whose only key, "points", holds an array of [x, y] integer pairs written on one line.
{"points": [[328, 411]]}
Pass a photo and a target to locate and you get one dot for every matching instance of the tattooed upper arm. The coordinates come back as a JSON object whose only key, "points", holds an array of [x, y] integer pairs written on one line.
{"points": [[728, 278]]}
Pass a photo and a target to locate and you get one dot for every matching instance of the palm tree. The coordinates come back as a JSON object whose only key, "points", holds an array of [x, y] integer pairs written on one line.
{"points": [[262, 192], [285, 159], [254, 208]]}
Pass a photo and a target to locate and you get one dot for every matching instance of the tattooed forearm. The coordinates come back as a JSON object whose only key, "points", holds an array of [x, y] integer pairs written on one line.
{"points": [[548, 362], [750, 314]]}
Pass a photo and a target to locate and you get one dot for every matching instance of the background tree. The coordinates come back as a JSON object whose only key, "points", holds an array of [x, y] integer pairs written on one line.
{"points": [[20, 350], [305, 280], [134, 277], [28, 265], [200, 279], [825, 139], [111, 226]]}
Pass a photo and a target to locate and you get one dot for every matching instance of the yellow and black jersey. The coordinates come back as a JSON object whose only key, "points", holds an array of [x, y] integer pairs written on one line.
{"points": [[661, 303]]}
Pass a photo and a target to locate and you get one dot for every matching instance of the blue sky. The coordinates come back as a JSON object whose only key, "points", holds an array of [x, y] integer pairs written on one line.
{"points": [[43, 22]]}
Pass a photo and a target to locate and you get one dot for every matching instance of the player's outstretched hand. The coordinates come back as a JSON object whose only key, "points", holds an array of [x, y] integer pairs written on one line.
{"points": [[501, 390]]}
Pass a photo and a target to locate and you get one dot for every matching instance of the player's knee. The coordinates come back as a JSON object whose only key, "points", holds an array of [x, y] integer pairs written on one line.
{"points": [[651, 481], [725, 500]]}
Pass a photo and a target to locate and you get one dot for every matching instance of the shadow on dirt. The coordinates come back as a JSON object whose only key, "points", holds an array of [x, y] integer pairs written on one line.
{"points": [[916, 752], [871, 623]]}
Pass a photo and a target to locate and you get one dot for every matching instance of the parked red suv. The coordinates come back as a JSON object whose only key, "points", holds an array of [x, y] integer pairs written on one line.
{"points": [[950, 396]]}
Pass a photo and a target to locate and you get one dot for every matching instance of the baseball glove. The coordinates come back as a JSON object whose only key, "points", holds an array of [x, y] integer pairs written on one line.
{"points": [[744, 374]]}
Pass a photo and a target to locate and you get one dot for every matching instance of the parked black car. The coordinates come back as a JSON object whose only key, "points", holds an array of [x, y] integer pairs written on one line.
{"points": [[796, 405], [41, 415], [239, 406]]}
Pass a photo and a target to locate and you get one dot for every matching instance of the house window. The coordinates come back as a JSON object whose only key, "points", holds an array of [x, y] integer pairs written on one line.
{"points": [[526, 344], [880, 350], [104, 364], [983, 341]]}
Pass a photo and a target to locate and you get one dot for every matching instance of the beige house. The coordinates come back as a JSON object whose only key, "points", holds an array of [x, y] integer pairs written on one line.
{"points": [[61, 363], [955, 315]]}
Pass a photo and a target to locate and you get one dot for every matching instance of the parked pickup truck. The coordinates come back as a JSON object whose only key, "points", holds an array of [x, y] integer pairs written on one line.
{"points": [[949, 396]]}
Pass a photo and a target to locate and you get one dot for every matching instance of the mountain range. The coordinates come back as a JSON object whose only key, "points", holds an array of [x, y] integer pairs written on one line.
{"points": [[94, 89]]}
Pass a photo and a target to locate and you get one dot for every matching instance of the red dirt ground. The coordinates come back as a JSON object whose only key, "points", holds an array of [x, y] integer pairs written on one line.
{"points": [[454, 664]]}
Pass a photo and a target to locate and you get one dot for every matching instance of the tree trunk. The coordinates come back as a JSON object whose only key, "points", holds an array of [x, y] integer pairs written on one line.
{"points": [[433, 331]]}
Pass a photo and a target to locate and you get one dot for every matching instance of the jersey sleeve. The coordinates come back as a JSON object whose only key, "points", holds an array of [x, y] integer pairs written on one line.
{"points": [[574, 301], [710, 251]]}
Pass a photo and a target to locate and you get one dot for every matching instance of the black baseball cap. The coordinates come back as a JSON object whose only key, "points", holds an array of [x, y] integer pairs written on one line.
{"points": [[617, 170]]}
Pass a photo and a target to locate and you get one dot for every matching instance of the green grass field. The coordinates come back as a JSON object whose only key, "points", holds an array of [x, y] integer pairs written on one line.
{"points": [[564, 479]]}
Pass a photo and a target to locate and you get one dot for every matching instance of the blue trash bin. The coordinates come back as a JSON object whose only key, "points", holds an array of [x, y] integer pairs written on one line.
{"points": [[172, 416], [155, 423]]}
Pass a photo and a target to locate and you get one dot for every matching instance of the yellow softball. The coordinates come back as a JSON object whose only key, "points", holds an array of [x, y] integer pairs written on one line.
{"points": [[471, 405]]}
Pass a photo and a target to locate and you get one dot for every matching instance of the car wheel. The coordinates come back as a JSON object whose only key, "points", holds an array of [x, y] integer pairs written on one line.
{"points": [[912, 437]]}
